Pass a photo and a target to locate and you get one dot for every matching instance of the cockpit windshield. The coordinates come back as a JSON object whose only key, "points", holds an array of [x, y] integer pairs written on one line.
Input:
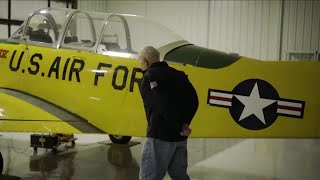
{"points": [[42, 26], [101, 33], [146, 32]]}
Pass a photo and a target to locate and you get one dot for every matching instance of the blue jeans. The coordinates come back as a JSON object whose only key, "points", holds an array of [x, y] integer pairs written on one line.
{"points": [[159, 156]]}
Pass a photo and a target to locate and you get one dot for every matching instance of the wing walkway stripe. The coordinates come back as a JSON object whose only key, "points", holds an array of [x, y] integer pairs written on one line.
{"points": [[72, 119]]}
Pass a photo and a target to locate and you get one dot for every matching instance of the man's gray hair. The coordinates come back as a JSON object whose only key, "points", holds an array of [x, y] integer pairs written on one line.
{"points": [[150, 53]]}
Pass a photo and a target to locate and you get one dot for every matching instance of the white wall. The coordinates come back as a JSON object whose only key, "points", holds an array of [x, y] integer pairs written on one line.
{"points": [[250, 28], [3, 31], [20, 10], [3, 15], [258, 29], [3, 9], [58, 4], [187, 18], [301, 22], [253, 28]]}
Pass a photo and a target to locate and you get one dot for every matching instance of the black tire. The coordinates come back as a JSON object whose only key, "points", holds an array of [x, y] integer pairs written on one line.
{"points": [[119, 139], [1, 163]]}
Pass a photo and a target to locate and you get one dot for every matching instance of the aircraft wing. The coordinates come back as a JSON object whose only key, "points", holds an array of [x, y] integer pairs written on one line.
{"points": [[21, 112]]}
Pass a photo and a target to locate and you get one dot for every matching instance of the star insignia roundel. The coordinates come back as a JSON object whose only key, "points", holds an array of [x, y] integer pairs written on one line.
{"points": [[255, 104]]}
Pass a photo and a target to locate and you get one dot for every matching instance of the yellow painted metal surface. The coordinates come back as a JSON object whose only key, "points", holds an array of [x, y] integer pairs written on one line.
{"points": [[105, 93], [37, 126], [19, 116], [292, 80], [13, 108]]}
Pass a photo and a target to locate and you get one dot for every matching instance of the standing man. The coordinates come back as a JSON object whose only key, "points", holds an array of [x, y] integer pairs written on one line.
{"points": [[170, 102]]}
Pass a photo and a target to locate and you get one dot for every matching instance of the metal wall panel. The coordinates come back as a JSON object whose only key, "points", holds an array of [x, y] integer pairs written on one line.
{"points": [[93, 5], [230, 26], [244, 26], [257, 29], [223, 37], [306, 44], [14, 29], [20, 10], [285, 29], [58, 4], [3, 15], [112, 6], [3, 31], [301, 23], [187, 18], [315, 31], [262, 29], [250, 31], [255, 26], [274, 30], [293, 8], [214, 28], [4, 9], [127, 7], [236, 30]]}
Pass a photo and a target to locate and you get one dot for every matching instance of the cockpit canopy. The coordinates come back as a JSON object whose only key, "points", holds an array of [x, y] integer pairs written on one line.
{"points": [[102, 33]]}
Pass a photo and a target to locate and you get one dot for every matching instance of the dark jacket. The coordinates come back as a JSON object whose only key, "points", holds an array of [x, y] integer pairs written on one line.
{"points": [[169, 100]]}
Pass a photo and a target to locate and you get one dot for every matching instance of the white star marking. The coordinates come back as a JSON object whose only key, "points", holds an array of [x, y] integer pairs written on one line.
{"points": [[254, 104]]}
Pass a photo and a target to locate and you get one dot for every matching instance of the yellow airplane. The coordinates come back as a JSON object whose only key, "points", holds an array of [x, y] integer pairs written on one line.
{"points": [[71, 71]]}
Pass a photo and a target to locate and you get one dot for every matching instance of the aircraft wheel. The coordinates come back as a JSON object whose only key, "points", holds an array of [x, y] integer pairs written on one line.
{"points": [[1, 163], [119, 139]]}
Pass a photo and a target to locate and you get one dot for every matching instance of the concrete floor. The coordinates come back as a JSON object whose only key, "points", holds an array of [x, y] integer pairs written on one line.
{"points": [[94, 157]]}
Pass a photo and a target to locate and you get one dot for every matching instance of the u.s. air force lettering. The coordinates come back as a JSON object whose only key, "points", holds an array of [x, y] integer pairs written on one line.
{"points": [[68, 68], [255, 104]]}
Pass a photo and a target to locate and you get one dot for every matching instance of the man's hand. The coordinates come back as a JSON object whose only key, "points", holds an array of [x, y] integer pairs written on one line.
{"points": [[186, 131]]}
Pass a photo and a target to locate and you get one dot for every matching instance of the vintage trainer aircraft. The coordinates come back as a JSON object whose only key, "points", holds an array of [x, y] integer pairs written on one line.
{"points": [[71, 71]]}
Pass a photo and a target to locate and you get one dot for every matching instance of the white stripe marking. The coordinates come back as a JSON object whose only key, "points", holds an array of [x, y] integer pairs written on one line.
{"points": [[219, 94], [289, 112], [218, 102], [290, 104]]}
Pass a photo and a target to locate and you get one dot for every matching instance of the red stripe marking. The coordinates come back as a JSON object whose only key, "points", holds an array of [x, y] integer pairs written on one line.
{"points": [[220, 98], [290, 108]]}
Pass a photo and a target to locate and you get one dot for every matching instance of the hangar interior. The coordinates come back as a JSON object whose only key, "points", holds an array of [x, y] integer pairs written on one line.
{"points": [[270, 30], [267, 30]]}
